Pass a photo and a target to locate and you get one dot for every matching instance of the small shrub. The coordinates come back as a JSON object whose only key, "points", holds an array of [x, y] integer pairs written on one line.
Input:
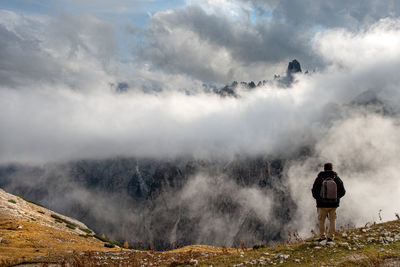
{"points": [[109, 245], [101, 238], [314, 234], [258, 246], [177, 263], [33, 202], [71, 226], [58, 221], [242, 245], [41, 212], [297, 237], [56, 217], [85, 236], [224, 249], [33, 219], [70, 223], [62, 220], [117, 244], [12, 201], [85, 230]]}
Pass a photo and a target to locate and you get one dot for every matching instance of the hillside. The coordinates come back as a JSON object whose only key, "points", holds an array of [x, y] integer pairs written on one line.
{"points": [[30, 232], [31, 235]]}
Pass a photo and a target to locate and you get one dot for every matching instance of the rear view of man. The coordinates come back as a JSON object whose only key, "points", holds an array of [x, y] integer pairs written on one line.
{"points": [[327, 190]]}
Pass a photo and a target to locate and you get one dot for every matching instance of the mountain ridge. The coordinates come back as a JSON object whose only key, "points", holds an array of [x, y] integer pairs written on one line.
{"points": [[233, 89]]}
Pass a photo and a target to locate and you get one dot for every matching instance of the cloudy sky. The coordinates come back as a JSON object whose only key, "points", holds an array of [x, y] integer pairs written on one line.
{"points": [[85, 79]]}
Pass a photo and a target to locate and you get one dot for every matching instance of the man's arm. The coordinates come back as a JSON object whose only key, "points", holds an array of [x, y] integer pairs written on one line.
{"points": [[340, 186], [316, 188]]}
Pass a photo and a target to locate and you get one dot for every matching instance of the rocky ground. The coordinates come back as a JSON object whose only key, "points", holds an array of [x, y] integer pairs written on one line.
{"points": [[372, 245]]}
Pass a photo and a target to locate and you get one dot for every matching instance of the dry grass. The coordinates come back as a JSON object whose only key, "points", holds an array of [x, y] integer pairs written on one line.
{"points": [[202, 248], [28, 240]]}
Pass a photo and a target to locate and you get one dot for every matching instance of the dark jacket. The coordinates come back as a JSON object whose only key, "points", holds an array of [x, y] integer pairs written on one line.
{"points": [[317, 189]]}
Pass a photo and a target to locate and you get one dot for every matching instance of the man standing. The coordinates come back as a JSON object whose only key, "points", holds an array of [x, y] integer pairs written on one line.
{"points": [[327, 190]]}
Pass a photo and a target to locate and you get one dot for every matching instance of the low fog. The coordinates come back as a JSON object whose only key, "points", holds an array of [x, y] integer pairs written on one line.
{"points": [[62, 105]]}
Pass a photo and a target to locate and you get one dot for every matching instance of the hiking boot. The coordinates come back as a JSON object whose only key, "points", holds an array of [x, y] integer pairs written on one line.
{"points": [[330, 239], [321, 239]]}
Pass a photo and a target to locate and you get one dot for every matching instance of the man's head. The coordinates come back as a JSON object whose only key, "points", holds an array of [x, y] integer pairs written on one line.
{"points": [[328, 166]]}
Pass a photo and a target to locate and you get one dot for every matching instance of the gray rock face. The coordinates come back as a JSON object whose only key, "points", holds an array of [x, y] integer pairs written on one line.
{"points": [[293, 67]]}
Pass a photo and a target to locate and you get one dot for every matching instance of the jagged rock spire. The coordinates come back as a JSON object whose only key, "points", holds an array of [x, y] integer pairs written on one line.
{"points": [[293, 67]]}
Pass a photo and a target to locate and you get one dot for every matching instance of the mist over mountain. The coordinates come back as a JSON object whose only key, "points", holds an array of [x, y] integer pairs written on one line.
{"points": [[163, 204], [141, 132]]}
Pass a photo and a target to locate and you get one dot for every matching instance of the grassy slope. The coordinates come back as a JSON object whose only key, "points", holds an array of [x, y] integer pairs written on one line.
{"points": [[26, 241], [376, 245], [30, 232]]}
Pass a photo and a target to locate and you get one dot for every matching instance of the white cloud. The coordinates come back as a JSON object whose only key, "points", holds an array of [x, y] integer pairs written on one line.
{"points": [[344, 48], [47, 120]]}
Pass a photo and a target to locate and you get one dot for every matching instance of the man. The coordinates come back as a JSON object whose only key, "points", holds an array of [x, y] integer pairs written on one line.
{"points": [[327, 190]]}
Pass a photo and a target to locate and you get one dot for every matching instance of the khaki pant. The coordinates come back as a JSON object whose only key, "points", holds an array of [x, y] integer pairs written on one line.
{"points": [[322, 214]]}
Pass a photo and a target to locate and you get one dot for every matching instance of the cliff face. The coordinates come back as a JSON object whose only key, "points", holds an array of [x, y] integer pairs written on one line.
{"points": [[164, 203]]}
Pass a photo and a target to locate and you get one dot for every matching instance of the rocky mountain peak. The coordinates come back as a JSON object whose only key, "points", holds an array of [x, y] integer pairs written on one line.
{"points": [[293, 67], [285, 81]]}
